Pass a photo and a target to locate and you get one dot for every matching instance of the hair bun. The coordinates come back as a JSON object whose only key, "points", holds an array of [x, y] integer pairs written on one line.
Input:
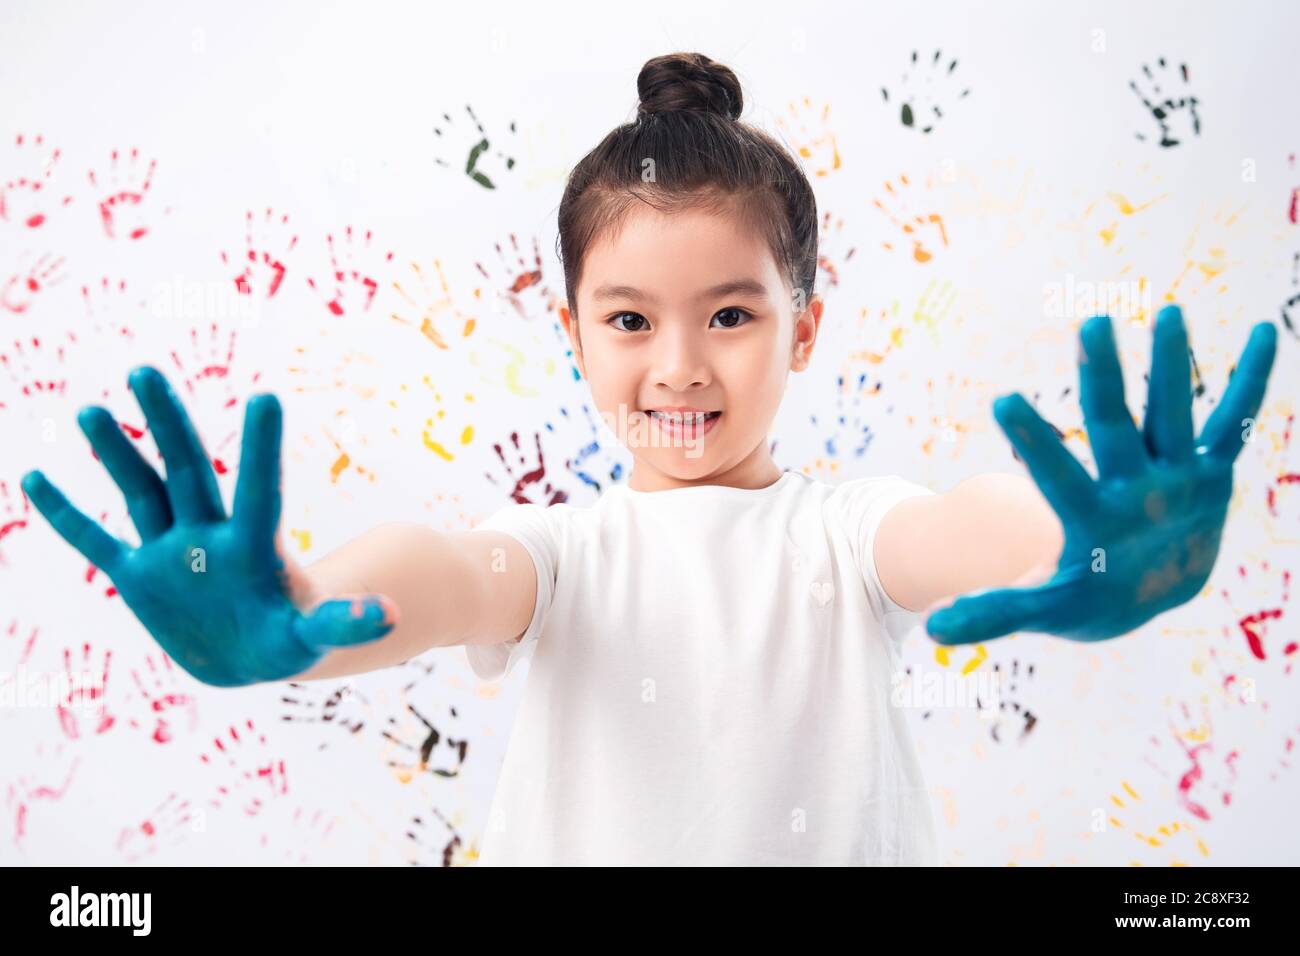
{"points": [[688, 81]]}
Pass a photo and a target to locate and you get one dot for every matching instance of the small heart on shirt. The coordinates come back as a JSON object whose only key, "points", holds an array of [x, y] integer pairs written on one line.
{"points": [[823, 591]]}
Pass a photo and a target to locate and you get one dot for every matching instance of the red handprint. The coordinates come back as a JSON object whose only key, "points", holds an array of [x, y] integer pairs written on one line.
{"points": [[107, 304], [24, 792], [532, 486], [28, 642], [1288, 471], [20, 290], [1293, 211], [13, 516], [158, 688], [261, 270], [127, 188], [352, 263], [307, 832], [215, 382], [35, 369], [25, 200], [1196, 742], [166, 823], [518, 277], [85, 690], [243, 750], [1254, 625]]}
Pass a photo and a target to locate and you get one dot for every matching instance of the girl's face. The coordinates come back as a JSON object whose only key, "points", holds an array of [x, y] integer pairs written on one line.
{"points": [[689, 311]]}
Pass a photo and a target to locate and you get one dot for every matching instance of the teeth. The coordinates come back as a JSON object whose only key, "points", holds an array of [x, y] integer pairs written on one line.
{"points": [[680, 417]]}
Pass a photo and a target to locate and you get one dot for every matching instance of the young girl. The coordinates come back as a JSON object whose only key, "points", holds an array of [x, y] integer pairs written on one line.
{"points": [[713, 645]]}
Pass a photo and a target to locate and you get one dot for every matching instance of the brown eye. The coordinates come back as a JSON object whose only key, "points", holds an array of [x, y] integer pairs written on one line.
{"points": [[614, 318], [742, 315]]}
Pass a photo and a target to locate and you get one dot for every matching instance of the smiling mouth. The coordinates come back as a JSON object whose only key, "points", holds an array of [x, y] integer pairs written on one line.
{"points": [[683, 418]]}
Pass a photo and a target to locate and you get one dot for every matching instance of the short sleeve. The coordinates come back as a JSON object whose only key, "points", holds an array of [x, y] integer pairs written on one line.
{"points": [[862, 504], [532, 526]]}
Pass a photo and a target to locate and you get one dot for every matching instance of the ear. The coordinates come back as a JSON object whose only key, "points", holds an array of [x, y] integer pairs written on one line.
{"points": [[571, 329], [806, 324]]}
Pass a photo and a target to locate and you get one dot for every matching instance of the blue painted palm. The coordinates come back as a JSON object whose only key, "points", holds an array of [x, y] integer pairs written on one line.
{"points": [[1143, 536], [212, 590]]}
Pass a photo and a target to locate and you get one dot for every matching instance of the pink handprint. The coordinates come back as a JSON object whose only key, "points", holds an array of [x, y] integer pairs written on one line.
{"points": [[1199, 774], [260, 269], [353, 265], [166, 823], [107, 305], [1293, 210], [214, 381], [34, 369], [24, 792], [14, 634], [22, 288], [125, 190], [25, 200], [243, 750], [85, 690], [308, 832], [15, 511], [158, 688]]}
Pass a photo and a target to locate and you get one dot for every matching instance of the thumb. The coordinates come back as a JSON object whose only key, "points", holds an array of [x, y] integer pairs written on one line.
{"points": [[355, 619]]}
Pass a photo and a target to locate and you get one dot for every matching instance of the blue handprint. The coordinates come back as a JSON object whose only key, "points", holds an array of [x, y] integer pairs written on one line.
{"points": [[1143, 537], [214, 591]]}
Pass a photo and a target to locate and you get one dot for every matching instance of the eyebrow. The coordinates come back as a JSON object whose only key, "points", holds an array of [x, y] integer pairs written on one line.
{"points": [[749, 288]]}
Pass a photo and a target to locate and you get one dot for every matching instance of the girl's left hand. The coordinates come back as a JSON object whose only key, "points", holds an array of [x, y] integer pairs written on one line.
{"points": [[1143, 537]]}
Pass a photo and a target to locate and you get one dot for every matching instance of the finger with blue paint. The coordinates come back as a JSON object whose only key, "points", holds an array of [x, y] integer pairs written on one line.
{"points": [[214, 591], [1141, 537]]}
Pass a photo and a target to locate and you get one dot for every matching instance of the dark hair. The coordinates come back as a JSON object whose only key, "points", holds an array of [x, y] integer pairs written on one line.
{"points": [[703, 157]]}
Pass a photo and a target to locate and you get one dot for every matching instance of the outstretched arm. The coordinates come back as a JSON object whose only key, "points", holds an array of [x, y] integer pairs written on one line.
{"points": [[469, 587], [220, 595], [991, 530], [1135, 541]]}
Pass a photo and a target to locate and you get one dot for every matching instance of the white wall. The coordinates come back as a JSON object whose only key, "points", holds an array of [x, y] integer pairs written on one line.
{"points": [[326, 114]]}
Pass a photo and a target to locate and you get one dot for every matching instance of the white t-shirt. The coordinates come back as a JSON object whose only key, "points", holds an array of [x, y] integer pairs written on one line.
{"points": [[710, 683]]}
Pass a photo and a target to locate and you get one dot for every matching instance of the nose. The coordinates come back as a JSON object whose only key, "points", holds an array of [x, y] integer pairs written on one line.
{"points": [[680, 361]]}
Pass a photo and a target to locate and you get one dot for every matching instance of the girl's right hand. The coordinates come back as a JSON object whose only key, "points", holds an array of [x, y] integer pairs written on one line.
{"points": [[216, 592]]}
